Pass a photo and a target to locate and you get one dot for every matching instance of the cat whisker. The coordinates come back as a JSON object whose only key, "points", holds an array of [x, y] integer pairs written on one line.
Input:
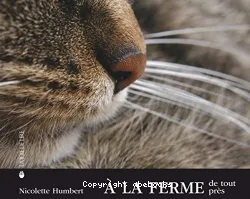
{"points": [[9, 83], [198, 30], [201, 43], [186, 68], [203, 78], [131, 105], [186, 85], [181, 96], [142, 94]]}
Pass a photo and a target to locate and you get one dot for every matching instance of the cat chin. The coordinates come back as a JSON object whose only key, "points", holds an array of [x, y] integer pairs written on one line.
{"points": [[67, 144], [108, 111]]}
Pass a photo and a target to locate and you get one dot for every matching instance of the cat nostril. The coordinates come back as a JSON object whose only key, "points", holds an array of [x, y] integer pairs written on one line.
{"points": [[128, 70]]}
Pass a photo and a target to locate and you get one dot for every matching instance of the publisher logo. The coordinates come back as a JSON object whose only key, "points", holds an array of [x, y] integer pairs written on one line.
{"points": [[21, 174]]}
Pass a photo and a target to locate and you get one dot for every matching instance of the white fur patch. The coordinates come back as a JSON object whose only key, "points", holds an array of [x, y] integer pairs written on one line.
{"points": [[66, 145], [63, 147], [110, 110]]}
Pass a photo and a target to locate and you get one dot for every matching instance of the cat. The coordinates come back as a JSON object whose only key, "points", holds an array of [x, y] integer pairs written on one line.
{"points": [[167, 120], [70, 62]]}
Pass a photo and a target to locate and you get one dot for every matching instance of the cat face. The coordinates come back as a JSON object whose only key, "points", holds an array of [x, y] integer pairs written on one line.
{"points": [[73, 60]]}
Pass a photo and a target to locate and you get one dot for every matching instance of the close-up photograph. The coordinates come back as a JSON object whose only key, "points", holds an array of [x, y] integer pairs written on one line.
{"points": [[129, 85]]}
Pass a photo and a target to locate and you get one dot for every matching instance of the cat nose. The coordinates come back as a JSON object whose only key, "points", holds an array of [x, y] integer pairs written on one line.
{"points": [[128, 70]]}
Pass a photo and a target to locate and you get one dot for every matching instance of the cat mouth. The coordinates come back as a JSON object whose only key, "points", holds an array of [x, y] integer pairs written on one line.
{"points": [[109, 110]]}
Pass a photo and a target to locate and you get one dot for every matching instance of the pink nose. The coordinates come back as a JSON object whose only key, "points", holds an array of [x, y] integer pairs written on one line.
{"points": [[128, 70]]}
